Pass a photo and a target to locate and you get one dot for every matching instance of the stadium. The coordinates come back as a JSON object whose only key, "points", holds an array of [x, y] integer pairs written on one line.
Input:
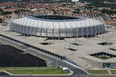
{"points": [[57, 26]]}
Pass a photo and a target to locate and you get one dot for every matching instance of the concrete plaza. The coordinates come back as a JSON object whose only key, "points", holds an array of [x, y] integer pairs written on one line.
{"points": [[81, 55]]}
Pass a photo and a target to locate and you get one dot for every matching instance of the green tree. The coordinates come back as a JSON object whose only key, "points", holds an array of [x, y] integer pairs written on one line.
{"points": [[108, 11], [0, 20], [1, 10], [5, 13]]}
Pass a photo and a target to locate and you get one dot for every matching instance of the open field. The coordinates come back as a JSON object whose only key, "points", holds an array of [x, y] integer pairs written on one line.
{"points": [[113, 71], [98, 71], [35, 70], [43, 71], [14, 68]]}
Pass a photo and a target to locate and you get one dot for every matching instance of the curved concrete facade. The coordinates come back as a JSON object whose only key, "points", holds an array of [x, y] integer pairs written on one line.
{"points": [[72, 27]]}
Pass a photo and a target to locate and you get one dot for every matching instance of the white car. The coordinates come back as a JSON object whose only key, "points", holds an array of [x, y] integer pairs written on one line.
{"points": [[65, 69]]}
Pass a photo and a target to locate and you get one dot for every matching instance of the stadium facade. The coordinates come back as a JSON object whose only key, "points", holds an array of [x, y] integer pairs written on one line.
{"points": [[57, 26]]}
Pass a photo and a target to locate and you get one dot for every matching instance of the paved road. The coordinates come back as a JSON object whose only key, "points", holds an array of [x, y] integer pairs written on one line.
{"points": [[58, 76]]}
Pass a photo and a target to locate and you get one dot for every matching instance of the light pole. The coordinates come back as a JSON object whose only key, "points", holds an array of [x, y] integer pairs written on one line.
{"points": [[12, 64], [36, 64], [69, 42]]}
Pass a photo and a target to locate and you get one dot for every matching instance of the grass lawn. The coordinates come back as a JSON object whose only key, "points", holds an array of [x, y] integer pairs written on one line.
{"points": [[44, 71], [113, 71], [5, 68], [98, 71], [103, 57], [114, 24]]}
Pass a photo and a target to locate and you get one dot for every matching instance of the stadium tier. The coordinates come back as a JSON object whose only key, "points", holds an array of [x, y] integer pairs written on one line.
{"points": [[57, 26]]}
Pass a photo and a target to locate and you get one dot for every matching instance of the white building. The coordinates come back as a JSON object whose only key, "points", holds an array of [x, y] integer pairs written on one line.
{"points": [[75, 0], [57, 26]]}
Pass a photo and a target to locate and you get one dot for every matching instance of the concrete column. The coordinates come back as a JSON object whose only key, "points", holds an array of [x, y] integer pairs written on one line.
{"points": [[24, 29], [81, 29], [59, 31]]}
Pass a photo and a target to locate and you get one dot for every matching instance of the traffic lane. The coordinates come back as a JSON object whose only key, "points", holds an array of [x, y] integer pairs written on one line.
{"points": [[76, 71], [60, 76]]}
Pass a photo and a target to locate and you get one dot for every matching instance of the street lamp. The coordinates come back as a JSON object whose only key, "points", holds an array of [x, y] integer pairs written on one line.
{"points": [[12, 64]]}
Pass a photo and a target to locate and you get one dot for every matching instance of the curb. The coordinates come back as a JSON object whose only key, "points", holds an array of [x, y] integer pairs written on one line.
{"points": [[5, 72], [103, 74]]}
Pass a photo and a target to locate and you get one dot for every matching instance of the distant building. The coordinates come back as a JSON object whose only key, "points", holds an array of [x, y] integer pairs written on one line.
{"points": [[75, 0], [101, 8], [19, 0], [113, 16]]}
